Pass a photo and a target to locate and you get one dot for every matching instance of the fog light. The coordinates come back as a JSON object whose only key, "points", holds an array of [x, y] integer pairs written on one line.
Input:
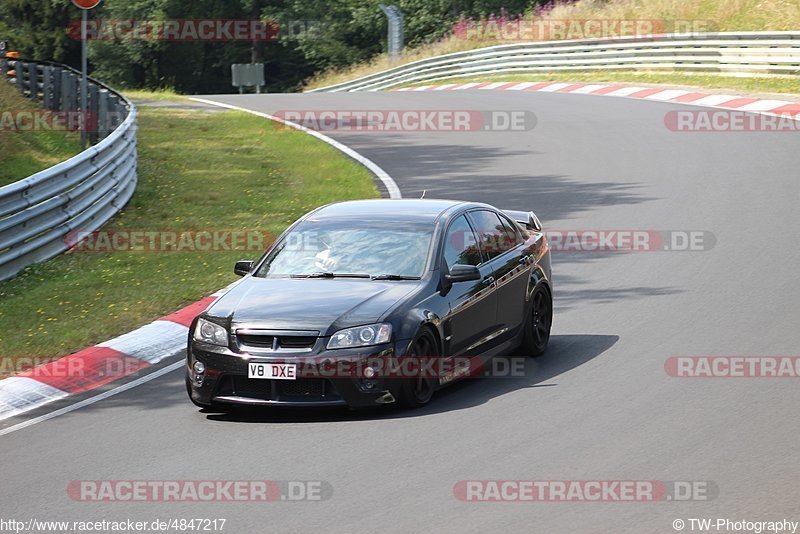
{"points": [[369, 372], [199, 368], [369, 384]]}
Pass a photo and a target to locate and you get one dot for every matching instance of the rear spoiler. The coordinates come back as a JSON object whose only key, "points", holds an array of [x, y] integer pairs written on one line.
{"points": [[527, 219]]}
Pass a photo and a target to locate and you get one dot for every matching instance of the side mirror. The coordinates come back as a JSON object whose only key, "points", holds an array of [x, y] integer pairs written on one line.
{"points": [[243, 268], [463, 273]]}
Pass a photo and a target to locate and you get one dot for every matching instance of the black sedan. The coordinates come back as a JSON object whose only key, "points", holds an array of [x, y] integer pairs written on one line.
{"points": [[353, 292]]}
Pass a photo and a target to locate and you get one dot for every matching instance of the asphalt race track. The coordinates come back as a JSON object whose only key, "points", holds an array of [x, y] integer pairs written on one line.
{"points": [[598, 406]]}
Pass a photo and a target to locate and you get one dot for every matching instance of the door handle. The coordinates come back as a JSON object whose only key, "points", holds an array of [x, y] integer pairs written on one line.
{"points": [[488, 280], [524, 260]]}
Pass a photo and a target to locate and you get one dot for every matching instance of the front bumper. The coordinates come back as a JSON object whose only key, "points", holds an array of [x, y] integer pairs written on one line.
{"points": [[319, 384]]}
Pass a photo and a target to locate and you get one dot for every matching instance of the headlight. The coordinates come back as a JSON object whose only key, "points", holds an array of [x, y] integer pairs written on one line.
{"points": [[211, 333], [361, 336]]}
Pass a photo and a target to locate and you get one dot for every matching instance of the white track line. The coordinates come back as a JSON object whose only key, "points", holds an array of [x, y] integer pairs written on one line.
{"points": [[92, 400], [383, 176]]}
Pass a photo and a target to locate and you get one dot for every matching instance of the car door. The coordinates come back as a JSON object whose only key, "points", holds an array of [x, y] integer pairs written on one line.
{"points": [[500, 240], [512, 275], [472, 319]]}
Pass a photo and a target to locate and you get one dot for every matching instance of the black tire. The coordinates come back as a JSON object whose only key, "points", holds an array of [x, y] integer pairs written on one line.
{"points": [[416, 392], [538, 322]]}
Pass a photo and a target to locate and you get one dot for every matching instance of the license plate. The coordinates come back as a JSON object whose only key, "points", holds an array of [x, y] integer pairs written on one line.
{"points": [[272, 371]]}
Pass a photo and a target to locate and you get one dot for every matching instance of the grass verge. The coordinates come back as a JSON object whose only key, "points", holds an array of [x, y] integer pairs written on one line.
{"points": [[197, 171], [28, 152], [160, 95]]}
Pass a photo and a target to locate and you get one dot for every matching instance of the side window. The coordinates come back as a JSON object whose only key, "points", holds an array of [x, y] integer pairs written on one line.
{"points": [[511, 238], [460, 247], [494, 237]]}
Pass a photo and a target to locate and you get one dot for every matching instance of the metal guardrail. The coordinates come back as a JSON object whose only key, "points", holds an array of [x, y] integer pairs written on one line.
{"points": [[739, 53], [39, 214]]}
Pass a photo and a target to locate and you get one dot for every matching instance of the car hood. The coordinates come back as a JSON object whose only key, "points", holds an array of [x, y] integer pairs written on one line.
{"points": [[324, 305]]}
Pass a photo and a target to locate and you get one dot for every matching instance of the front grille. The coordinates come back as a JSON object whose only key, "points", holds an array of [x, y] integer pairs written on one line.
{"points": [[296, 342], [262, 342], [309, 389], [304, 387], [248, 387], [284, 342]]}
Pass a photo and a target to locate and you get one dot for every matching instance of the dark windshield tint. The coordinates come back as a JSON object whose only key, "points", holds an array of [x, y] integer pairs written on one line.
{"points": [[351, 247]]}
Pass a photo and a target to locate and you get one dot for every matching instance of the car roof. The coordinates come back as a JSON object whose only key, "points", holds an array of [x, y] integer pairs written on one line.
{"points": [[387, 209]]}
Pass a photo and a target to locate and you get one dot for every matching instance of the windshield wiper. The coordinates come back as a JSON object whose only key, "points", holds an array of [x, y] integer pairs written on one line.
{"points": [[395, 277], [330, 275]]}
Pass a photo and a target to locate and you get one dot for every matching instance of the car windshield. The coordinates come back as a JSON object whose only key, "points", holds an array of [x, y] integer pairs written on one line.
{"points": [[329, 248]]}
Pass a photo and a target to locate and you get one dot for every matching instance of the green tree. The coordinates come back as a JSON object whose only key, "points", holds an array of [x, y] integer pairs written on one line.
{"points": [[315, 35], [38, 29]]}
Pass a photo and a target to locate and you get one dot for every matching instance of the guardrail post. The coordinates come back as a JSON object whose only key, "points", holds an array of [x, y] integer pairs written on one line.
{"points": [[64, 101], [56, 77], [33, 81], [92, 113], [72, 93], [47, 86], [19, 67], [118, 113], [102, 114]]}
